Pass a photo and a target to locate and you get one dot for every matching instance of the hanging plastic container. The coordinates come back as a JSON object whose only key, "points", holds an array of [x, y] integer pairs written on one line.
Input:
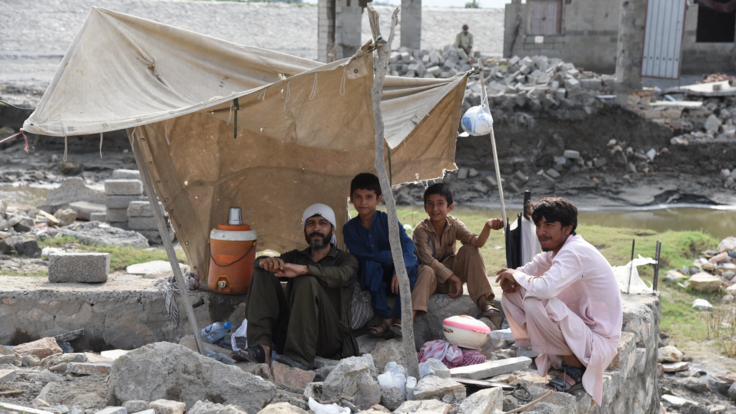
{"points": [[465, 331], [232, 254]]}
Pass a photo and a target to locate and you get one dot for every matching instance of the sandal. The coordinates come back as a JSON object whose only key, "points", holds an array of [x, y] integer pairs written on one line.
{"points": [[561, 384], [379, 330], [396, 329], [254, 353], [489, 311]]}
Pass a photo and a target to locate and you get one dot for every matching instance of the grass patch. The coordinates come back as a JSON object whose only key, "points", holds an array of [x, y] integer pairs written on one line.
{"points": [[120, 256]]}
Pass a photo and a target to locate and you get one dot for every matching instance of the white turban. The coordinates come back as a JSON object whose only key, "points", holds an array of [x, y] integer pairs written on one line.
{"points": [[323, 211]]}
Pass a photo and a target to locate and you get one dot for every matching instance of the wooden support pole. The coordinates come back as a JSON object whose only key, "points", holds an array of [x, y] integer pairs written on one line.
{"points": [[161, 224], [383, 52]]}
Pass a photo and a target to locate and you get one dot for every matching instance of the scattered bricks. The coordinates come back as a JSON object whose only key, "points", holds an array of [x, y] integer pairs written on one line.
{"points": [[491, 368], [600, 162], [89, 368], [113, 410], [79, 267], [142, 209], [42, 348], [121, 201], [142, 223], [553, 173], [117, 215], [571, 154], [84, 209], [167, 407], [126, 175], [549, 179], [123, 187], [98, 216], [472, 172], [462, 173], [489, 181], [289, 377], [7, 375], [560, 94], [521, 177]]}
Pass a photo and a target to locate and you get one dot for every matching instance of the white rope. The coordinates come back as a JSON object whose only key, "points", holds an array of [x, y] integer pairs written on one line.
{"points": [[166, 132], [100, 144], [231, 113], [342, 82], [314, 88], [65, 147], [288, 95]]}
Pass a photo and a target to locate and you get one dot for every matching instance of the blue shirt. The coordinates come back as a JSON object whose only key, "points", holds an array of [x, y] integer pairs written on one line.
{"points": [[372, 245]]}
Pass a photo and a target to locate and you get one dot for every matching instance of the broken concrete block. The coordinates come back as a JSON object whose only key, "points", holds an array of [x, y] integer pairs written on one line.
{"points": [[480, 187], [712, 124], [79, 267], [355, 378], [424, 407], [41, 348], [560, 94], [490, 369], [433, 367], [89, 368], [472, 172], [490, 181], [85, 209], [71, 190], [98, 216], [7, 356], [123, 187], [167, 407], [444, 389], [142, 209], [121, 201], [136, 406], [65, 217], [126, 174], [600, 162], [142, 223], [117, 215], [113, 410], [289, 377], [7, 375], [462, 173], [486, 401], [571, 154], [553, 173], [521, 177]]}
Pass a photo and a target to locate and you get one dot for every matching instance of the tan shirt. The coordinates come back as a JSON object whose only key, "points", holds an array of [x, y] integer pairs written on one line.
{"points": [[464, 40], [432, 249]]}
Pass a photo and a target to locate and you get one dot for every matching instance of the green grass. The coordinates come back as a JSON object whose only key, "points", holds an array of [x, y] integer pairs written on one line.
{"points": [[120, 256]]}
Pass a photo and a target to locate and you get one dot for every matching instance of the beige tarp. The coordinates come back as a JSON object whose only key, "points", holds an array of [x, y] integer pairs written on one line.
{"points": [[304, 129]]}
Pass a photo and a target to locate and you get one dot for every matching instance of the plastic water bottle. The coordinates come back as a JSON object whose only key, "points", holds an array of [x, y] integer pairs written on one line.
{"points": [[212, 333]]}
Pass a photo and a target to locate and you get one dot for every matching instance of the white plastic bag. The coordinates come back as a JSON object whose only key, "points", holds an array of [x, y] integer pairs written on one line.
{"points": [[411, 383], [326, 409], [240, 333], [637, 285], [477, 120]]}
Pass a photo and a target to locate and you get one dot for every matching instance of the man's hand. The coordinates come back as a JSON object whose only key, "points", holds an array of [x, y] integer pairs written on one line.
{"points": [[292, 270], [507, 280], [494, 224], [395, 284], [271, 264], [456, 287]]}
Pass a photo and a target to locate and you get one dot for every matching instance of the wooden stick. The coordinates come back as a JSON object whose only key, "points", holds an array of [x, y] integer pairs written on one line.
{"points": [[163, 231], [498, 176], [631, 269], [383, 52], [526, 407]]}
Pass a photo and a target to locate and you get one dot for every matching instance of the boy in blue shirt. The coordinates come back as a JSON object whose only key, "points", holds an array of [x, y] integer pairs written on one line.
{"points": [[368, 240]]}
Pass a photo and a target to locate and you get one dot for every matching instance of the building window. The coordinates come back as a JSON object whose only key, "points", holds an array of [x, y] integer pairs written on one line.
{"points": [[545, 17], [715, 27]]}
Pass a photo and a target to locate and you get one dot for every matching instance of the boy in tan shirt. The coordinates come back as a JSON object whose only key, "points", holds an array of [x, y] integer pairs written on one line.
{"points": [[435, 244]]}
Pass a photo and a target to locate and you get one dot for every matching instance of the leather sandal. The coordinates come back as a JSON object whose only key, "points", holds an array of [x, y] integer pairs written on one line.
{"points": [[254, 353], [396, 329], [561, 384], [378, 330]]}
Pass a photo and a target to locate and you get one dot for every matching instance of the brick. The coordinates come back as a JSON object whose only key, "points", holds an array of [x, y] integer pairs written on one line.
{"points": [[7, 375], [89, 368], [41, 348], [142, 209], [490, 369], [79, 267], [113, 410], [117, 215], [142, 223], [121, 201], [167, 407], [553, 173], [126, 174], [84, 209], [293, 378], [123, 187]]}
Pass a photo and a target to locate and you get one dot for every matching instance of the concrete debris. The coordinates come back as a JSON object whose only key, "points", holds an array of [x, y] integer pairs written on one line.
{"points": [[388, 351], [89, 368], [7, 375], [291, 378], [79, 267], [354, 378], [490, 369], [488, 401], [676, 366], [167, 407], [424, 407], [41, 348], [205, 407], [433, 367], [135, 406], [282, 408], [113, 410], [71, 190], [669, 354], [444, 389]]}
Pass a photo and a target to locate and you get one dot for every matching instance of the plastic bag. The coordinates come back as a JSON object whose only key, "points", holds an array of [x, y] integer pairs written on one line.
{"points": [[394, 376], [411, 383], [239, 337], [478, 120], [326, 409], [637, 285]]}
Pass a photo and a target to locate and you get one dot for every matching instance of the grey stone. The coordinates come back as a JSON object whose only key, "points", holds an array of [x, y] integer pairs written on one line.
{"points": [[444, 389], [366, 343], [355, 378], [462, 173], [116, 215], [489, 181], [71, 190], [30, 361], [486, 401], [189, 377], [142, 209], [84, 209], [113, 410], [695, 385], [571, 154], [553, 173], [675, 366], [135, 406], [142, 223], [154, 237], [320, 362], [392, 398], [70, 167], [600, 162], [122, 201], [732, 392], [65, 216], [728, 275], [205, 407], [95, 232], [69, 336], [22, 245], [433, 367], [126, 175], [423, 407], [385, 352], [66, 347], [7, 375], [480, 187], [509, 403], [712, 124], [491, 368], [630, 167], [98, 216], [79, 267], [123, 187]]}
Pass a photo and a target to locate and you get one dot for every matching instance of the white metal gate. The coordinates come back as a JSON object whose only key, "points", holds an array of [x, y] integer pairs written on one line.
{"points": [[663, 39]]}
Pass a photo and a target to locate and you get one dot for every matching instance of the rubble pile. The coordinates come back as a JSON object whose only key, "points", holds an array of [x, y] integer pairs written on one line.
{"points": [[713, 271]]}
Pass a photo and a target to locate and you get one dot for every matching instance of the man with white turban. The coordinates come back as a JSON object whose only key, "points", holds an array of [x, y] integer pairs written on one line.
{"points": [[311, 317]]}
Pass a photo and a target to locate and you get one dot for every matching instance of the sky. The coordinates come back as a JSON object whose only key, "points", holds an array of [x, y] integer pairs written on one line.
{"points": [[499, 4]]}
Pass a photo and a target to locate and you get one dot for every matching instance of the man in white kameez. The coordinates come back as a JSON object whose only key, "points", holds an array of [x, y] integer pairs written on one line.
{"points": [[565, 303]]}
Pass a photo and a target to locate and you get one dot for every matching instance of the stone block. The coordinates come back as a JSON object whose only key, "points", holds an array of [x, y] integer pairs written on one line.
{"points": [[282, 408], [123, 187], [117, 215], [7, 375], [113, 410], [553, 173], [98, 216], [71, 190], [65, 217], [705, 282], [142, 223], [79, 267], [385, 352], [444, 389], [84, 209], [89, 368], [289, 377], [167, 407], [490, 369], [486, 401], [625, 349], [121, 201], [126, 174], [571, 154], [136, 406], [676, 366], [424, 407], [41, 348], [142, 209], [366, 343], [600, 162], [462, 173]]}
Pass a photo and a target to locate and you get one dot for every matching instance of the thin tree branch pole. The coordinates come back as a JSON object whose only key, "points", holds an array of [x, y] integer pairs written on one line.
{"points": [[498, 174], [161, 225], [407, 323]]}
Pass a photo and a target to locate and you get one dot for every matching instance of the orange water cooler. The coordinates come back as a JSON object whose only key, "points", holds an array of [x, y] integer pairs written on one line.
{"points": [[232, 254]]}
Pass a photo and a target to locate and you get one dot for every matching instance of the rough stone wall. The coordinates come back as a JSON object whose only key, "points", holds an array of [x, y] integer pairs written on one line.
{"points": [[411, 27]]}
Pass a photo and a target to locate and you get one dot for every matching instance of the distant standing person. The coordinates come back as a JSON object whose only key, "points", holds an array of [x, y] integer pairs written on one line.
{"points": [[464, 44]]}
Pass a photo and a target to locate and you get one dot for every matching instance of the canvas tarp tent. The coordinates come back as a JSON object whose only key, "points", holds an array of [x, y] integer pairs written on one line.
{"points": [[304, 129]]}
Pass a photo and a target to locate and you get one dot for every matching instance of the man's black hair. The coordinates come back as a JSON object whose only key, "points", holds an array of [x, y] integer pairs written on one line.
{"points": [[555, 209], [440, 188], [365, 181]]}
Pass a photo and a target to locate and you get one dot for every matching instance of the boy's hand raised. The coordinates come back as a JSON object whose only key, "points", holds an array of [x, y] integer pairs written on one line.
{"points": [[495, 224]]}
